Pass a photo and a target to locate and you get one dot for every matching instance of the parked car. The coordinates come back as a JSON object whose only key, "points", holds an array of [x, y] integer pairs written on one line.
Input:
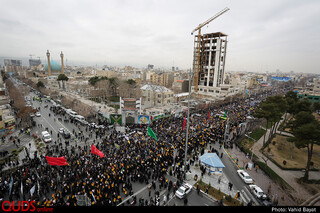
{"points": [[38, 114], [257, 191], [183, 190], [245, 176]]}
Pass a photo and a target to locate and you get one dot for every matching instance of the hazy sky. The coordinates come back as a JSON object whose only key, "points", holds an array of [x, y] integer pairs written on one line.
{"points": [[262, 34]]}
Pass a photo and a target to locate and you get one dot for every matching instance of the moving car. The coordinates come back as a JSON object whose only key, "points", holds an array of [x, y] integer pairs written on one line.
{"points": [[46, 137], [183, 190], [38, 114], [257, 191], [245, 176], [64, 133], [61, 130]]}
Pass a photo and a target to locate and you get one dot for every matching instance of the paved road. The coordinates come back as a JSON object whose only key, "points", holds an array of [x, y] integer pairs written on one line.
{"points": [[140, 190], [230, 171]]}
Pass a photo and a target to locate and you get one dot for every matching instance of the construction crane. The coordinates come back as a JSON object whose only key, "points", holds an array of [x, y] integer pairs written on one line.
{"points": [[197, 52]]}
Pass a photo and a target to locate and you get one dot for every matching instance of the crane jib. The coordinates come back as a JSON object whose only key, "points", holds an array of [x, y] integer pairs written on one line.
{"points": [[210, 19]]}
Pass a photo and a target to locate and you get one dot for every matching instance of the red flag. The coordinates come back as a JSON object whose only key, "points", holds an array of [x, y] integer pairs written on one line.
{"points": [[96, 151], [57, 161], [208, 115], [184, 123]]}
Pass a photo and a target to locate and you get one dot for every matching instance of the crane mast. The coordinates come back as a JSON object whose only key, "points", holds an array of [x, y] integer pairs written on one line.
{"points": [[197, 46]]}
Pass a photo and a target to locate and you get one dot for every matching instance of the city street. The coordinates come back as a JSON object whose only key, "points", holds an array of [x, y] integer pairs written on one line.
{"points": [[82, 136]]}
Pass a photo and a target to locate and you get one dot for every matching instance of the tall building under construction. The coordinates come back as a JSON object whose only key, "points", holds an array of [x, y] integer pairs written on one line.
{"points": [[209, 62]]}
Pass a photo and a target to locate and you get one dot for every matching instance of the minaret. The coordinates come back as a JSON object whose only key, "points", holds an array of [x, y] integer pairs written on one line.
{"points": [[49, 66], [62, 65]]}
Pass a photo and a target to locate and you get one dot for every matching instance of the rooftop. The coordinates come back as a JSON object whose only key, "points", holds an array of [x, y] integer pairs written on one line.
{"points": [[155, 88]]}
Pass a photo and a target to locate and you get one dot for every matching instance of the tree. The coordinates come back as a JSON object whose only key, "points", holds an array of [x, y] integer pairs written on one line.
{"points": [[306, 131], [62, 78], [103, 89], [114, 83], [316, 107], [15, 95], [272, 110], [24, 114], [40, 84], [92, 81], [129, 90], [302, 105], [131, 82]]}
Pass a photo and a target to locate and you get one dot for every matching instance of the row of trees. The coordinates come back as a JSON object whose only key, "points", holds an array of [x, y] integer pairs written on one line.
{"points": [[303, 125], [17, 101], [104, 88]]}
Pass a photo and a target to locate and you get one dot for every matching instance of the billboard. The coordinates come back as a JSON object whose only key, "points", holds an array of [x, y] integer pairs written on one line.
{"points": [[143, 119], [129, 103], [116, 118], [281, 78]]}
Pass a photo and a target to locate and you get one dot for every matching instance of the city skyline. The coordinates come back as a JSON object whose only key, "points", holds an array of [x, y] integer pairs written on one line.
{"points": [[264, 35]]}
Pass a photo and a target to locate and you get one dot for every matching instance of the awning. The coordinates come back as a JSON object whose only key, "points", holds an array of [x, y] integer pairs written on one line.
{"points": [[212, 159]]}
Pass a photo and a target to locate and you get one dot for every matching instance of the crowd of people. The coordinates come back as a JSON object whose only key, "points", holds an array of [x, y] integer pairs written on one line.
{"points": [[130, 157]]}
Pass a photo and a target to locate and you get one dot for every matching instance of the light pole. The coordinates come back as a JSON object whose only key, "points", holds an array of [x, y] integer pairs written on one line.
{"points": [[187, 132]]}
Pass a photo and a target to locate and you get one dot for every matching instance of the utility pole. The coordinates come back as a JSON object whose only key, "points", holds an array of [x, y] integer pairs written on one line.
{"points": [[187, 132]]}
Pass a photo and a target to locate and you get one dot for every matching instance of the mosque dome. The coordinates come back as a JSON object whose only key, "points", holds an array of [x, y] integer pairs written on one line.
{"points": [[55, 66]]}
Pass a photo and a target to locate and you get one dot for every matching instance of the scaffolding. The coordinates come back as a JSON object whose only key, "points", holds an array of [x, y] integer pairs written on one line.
{"points": [[209, 59], [199, 47]]}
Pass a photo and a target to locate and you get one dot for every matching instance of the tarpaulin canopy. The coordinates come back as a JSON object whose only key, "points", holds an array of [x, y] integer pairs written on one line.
{"points": [[211, 159]]}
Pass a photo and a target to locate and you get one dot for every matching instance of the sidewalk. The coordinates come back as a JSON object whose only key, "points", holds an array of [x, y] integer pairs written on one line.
{"points": [[287, 175], [211, 179], [22, 155]]}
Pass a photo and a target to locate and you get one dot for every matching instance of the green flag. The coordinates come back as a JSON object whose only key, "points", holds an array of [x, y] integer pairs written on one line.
{"points": [[224, 116], [151, 133]]}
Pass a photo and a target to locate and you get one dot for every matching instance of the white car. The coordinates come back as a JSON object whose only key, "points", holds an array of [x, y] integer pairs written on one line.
{"points": [[245, 176], [257, 191], [38, 114], [46, 137], [61, 130], [183, 190], [101, 127]]}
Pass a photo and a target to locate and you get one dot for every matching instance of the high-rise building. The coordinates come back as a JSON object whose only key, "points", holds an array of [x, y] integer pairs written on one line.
{"points": [[209, 61], [12, 62], [13, 65], [34, 62], [162, 79], [150, 66]]}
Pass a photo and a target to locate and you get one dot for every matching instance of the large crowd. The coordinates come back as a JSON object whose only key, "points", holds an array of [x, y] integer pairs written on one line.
{"points": [[130, 157]]}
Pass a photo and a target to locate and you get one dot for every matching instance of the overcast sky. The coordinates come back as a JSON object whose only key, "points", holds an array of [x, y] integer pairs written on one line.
{"points": [[262, 34]]}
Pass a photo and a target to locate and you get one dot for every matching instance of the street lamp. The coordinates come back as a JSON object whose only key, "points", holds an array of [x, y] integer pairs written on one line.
{"points": [[187, 132]]}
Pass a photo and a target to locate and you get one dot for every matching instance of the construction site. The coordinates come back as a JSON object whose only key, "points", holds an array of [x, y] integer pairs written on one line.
{"points": [[209, 59]]}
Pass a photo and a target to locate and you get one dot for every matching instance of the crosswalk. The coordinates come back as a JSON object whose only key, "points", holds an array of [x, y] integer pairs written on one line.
{"points": [[9, 145], [246, 197]]}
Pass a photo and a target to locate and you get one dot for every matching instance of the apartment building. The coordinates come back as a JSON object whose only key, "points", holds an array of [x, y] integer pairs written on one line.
{"points": [[154, 95], [162, 79]]}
